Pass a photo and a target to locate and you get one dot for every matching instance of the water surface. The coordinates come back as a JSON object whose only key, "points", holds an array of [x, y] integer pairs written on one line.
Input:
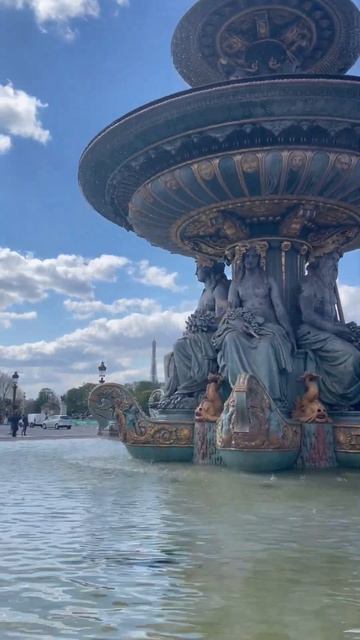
{"points": [[95, 545]]}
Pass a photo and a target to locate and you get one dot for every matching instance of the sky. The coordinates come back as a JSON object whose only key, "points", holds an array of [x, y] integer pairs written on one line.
{"points": [[74, 288]]}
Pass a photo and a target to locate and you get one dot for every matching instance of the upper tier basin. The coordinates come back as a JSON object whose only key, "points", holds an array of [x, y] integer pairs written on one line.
{"points": [[200, 170]]}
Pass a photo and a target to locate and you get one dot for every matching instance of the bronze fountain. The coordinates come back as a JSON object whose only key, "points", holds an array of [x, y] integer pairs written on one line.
{"points": [[257, 166]]}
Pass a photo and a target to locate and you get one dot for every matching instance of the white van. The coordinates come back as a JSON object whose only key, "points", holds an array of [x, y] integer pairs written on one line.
{"points": [[36, 419]]}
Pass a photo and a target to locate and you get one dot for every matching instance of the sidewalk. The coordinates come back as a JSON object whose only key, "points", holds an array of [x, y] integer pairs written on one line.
{"points": [[36, 433]]}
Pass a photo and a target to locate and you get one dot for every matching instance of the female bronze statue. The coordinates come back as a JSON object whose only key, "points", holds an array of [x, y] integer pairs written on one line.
{"points": [[194, 355], [337, 360], [257, 338]]}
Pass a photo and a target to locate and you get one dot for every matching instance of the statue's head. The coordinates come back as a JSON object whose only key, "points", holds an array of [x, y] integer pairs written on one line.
{"points": [[251, 259], [206, 268], [326, 266], [249, 256]]}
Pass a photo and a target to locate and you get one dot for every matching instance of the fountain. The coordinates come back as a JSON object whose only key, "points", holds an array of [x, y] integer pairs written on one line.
{"points": [[256, 166]]}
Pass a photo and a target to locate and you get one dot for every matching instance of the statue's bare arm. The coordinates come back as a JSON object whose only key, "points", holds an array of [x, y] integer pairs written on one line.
{"points": [[221, 298], [311, 317], [233, 297]]}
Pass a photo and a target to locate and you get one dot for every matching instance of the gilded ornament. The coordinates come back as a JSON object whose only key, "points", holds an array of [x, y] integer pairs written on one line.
{"points": [[343, 162], [211, 406], [347, 438], [170, 181], [250, 163], [113, 402], [261, 246], [251, 421], [297, 160], [309, 407], [206, 170], [326, 241]]}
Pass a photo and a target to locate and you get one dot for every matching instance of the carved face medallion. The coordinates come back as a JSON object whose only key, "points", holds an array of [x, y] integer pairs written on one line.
{"points": [[343, 162], [297, 160], [250, 163], [206, 170]]}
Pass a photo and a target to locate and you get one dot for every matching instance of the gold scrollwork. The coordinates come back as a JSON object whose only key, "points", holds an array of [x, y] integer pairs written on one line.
{"points": [[160, 435], [250, 421], [347, 438]]}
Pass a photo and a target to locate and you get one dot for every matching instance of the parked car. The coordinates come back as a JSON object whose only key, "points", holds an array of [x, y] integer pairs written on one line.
{"points": [[57, 422], [36, 419]]}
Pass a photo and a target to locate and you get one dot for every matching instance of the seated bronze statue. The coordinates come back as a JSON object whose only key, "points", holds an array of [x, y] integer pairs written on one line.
{"points": [[337, 359], [194, 355], [255, 335]]}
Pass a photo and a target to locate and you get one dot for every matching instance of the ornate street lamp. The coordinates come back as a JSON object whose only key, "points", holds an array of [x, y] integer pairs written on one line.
{"points": [[15, 378], [102, 372]]}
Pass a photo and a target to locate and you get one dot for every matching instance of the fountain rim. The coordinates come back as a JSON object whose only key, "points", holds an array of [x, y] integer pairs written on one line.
{"points": [[263, 80], [109, 162]]}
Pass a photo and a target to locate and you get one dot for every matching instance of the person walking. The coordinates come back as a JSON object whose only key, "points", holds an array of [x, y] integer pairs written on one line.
{"points": [[25, 424], [14, 422]]}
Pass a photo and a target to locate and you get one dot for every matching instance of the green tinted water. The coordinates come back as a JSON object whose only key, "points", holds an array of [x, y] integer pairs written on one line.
{"points": [[95, 545]]}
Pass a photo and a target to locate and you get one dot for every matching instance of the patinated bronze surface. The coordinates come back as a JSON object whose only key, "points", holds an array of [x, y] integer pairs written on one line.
{"points": [[329, 340], [194, 356], [219, 40], [263, 151], [113, 402], [261, 342], [251, 421]]}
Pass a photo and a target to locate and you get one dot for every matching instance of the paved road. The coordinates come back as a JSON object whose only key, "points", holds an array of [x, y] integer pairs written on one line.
{"points": [[79, 430]]}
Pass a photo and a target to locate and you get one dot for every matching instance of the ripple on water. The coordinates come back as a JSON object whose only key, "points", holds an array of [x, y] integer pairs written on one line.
{"points": [[96, 545]]}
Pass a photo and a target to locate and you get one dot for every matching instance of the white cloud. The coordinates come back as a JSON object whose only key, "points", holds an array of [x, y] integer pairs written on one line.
{"points": [[124, 344], [56, 10], [153, 276], [350, 299], [5, 143], [88, 308], [122, 335], [8, 317], [99, 337], [19, 116], [60, 12], [24, 278]]}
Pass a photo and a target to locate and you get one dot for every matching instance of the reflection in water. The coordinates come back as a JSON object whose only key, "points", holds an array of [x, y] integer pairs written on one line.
{"points": [[96, 545]]}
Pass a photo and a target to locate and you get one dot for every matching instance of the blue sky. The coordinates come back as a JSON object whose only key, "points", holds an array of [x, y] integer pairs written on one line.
{"points": [[75, 289]]}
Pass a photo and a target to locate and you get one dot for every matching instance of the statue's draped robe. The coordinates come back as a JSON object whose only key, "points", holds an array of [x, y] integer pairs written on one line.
{"points": [[194, 356], [337, 362], [268, 357], [191, 362]]}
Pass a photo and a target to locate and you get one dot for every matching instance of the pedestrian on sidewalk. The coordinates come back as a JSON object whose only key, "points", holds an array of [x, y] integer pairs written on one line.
{"points": [[14, 422], [25, 424]]}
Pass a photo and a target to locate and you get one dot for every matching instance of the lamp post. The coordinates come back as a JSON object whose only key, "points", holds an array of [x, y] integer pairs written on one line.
{"points": [[14, 418], [102, 372], [15, 378]]}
